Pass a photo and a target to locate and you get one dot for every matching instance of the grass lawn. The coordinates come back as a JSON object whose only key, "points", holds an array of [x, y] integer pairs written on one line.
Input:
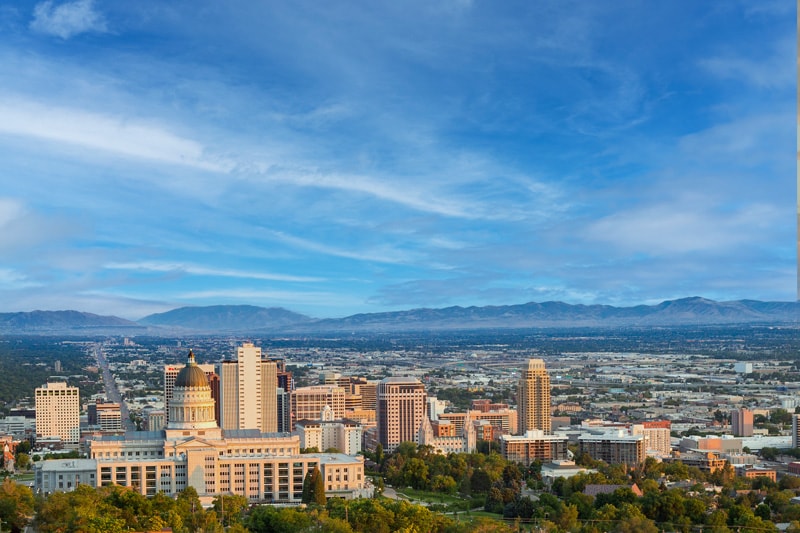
{"points": [[429, 497]]}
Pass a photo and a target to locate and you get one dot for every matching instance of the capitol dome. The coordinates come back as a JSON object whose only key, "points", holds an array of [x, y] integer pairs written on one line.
{"points": [[191, 406], [191, 375]]}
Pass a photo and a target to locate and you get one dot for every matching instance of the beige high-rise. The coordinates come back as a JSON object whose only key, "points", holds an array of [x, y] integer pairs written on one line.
{"points": [[249, 391], [402, 404], [58, 412], [533, 398], [308, 402]]}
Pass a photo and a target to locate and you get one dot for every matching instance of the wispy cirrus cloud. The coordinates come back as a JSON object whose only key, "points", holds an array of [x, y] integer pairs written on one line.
{"points": [[152, 266], [774, 70], [95, 131], [668, 229], [68, 19]]}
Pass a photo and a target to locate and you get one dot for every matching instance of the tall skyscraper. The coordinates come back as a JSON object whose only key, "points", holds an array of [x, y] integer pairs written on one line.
{"points": [[533, 398], [401, 407], [249, 389], [58, 410], [284, 411], [742, 422]]}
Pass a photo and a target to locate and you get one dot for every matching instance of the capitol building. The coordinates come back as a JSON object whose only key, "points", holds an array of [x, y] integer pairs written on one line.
{"points": [[194, 452]]}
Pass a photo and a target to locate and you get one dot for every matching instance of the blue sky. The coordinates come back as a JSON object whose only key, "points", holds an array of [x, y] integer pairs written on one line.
{"points": [[342, 157]]}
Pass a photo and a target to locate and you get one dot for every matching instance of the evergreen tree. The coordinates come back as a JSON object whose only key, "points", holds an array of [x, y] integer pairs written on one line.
{"points": [[317, 487], [313, 488]]}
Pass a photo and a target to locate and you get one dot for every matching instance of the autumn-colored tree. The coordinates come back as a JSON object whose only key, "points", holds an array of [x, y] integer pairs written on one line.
{"points": [[16, 505]]}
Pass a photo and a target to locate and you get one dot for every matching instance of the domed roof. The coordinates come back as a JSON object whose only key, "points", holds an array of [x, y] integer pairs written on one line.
{"points": [[191, 375]]}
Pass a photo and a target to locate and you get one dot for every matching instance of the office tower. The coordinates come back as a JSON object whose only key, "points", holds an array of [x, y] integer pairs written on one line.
{"points": [[435, 407], [284, 376], [656, 434], [229, 394], [106, 415], [269, 397], [58, 412], [171, 372], [284, 408], [742, 422], [369, 394], [308, 402], [401, 408], [533, 398], [248, 388], [795, 431]]}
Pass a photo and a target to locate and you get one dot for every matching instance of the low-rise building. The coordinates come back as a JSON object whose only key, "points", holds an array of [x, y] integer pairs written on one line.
{"points": [[532, 446], [614, 447]]}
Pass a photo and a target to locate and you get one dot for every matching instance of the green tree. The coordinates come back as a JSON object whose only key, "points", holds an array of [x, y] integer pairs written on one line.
{"points": [[480, 481], [444, 484], [780, 416], [269, 519], [415, 473], [230, 508], [16, 504], [314, 488], [23, 460], [379, 456]]}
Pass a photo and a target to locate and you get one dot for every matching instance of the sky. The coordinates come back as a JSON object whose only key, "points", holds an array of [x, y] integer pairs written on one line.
{"points": [[335, 158]]}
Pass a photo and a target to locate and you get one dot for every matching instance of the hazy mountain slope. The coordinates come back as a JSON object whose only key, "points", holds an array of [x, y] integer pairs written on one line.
{"points": [[60, 319], [226, 318], [247, 318]]}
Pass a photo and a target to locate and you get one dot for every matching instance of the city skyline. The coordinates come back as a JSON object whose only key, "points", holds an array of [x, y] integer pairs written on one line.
{"points": [[367, 157]]}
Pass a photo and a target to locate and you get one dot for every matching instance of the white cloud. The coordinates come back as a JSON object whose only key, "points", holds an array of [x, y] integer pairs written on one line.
{"points": [[675, 228], [10, 278], [777, 70], [379, 255], [153, 266], [101, 132], [68, 19]]}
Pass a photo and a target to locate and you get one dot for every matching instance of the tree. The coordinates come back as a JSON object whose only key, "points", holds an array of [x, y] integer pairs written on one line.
{"points": [[379, 456], [23, 460], [415, 473], [444, 484], [16, 504], [769, 453], [269, 519], [314, 488], [230, 507], [780, 416], [480, 481], [789, 482]]}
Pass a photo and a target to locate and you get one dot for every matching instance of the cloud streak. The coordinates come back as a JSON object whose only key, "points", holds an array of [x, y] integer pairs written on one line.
{"points": [[149, 266], [94, 131]]}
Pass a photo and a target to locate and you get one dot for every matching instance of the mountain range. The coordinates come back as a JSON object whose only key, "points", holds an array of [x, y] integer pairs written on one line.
{"points": [[694, 311]]}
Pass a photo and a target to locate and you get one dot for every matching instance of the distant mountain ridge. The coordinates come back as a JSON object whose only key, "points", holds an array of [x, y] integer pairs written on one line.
{"points": [[685, 311], [226, 318], [695, 311], [43, 320]]}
